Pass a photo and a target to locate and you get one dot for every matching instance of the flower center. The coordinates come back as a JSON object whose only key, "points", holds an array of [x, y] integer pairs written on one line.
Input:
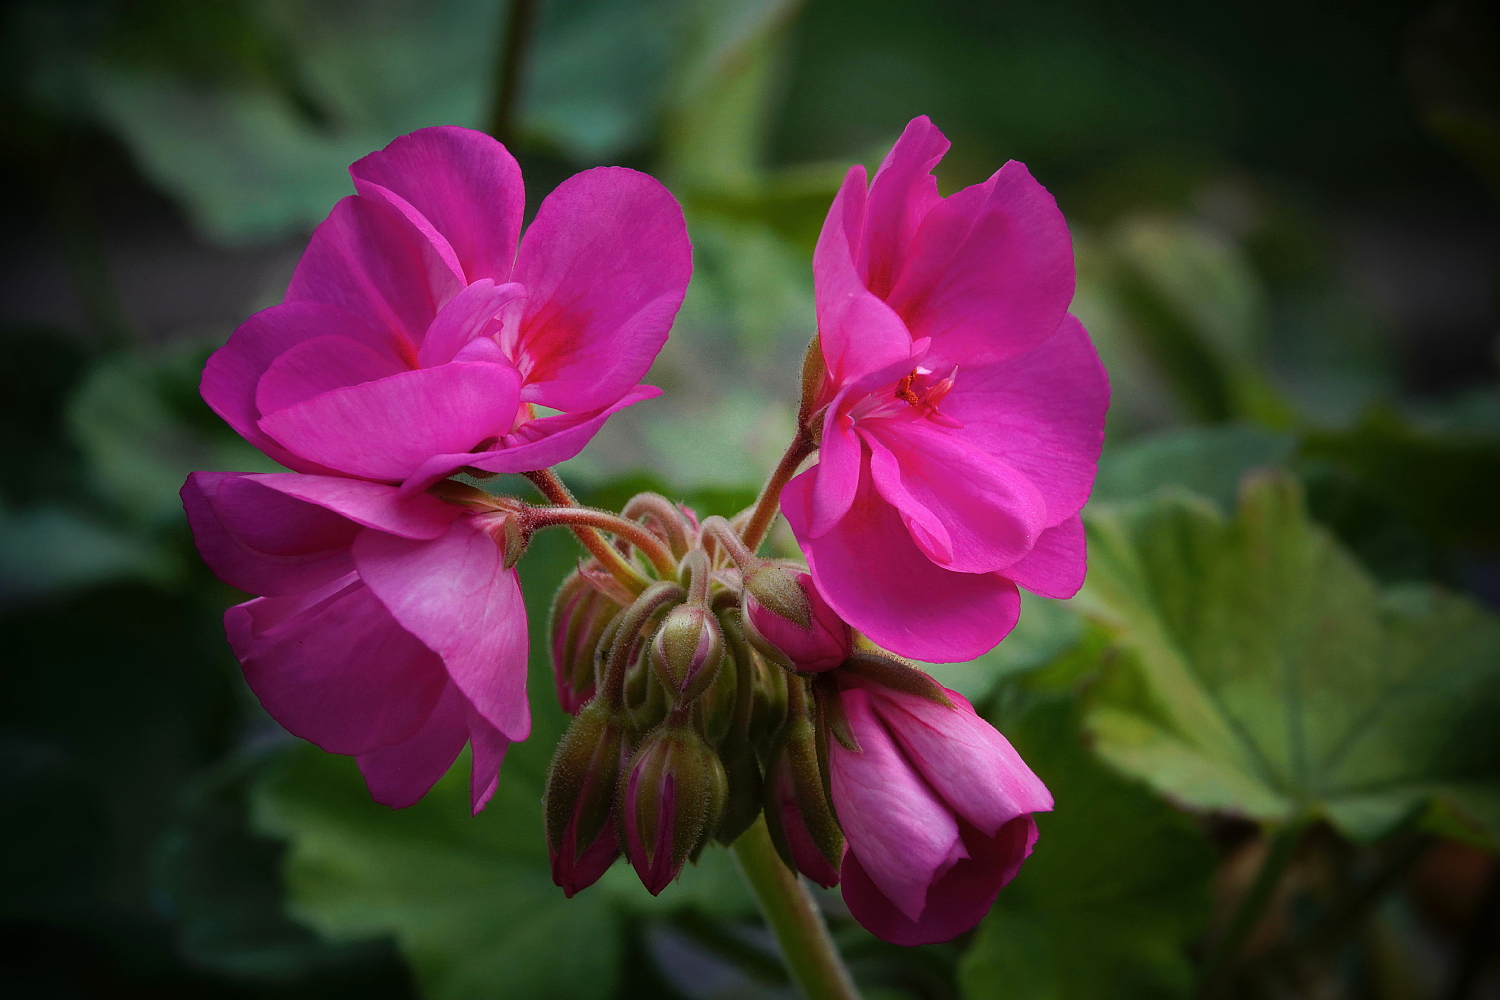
{"points": [[914, 394]]}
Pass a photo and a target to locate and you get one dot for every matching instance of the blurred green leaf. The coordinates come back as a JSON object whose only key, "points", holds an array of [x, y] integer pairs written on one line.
{"points": [[1261, 671], [1047, 629], [1205, 460], [142, 428], [1115, 891]]}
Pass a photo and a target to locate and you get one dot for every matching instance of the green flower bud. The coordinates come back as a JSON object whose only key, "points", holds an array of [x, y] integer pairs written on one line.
{"points": [[687, 650]]}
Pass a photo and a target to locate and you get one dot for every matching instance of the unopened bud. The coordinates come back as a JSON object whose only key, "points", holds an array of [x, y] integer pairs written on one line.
{"points": [[580, 798], [580, 615], [813, 640], [670, 803], [687, 651], [799, 818]]}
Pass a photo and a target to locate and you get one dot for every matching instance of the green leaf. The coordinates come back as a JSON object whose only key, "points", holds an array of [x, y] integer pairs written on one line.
{"points": [[1114, 892], [1206, 460], [1262, 671], [1046, 629]]}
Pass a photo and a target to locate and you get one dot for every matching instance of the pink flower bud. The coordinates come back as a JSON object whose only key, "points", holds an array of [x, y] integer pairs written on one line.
{"points": [[936, 806], [671, 802], [816, 640], [579, 800], [687, 651], [580, 614], [801, 822]]}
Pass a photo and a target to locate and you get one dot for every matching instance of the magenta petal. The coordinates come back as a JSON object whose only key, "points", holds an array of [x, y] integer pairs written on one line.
{"points": [[231, 376], [876, 578], [901, 195], [1043, 413], [968, 510], [1056, 566], [965, 760], [605, 263], [990, 272], [373, 505], [465, 317], [399, 775], [319, 365], [536, 444], [903, 833], [335, 668], [456, 183], [311, 550], [455, 595], [858, 333], [957, 901], [489, 746], [387, 429], [840, 458], [368, 259]]}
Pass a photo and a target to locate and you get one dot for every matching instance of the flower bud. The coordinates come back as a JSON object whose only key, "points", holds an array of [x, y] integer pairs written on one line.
{"points": [[670, 803], [580, 615], [800, 819], [580, 797], [797, 632], [687, 650]]}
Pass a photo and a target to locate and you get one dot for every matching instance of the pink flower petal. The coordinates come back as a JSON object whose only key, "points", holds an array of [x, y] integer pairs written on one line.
{"points": [[901, 195], [320, 365], [454, 183], [471, 312], [387, 429], [840, 459], [233, 371], [455, 595], [990, 272], [876, 578], [368, 259], [904, 835], [536, 444], [373, 505], [605, 263], [306, 547], [1056, 566], [858, 332], [488, 745], [1043, 413], [335, 668], [967, 510], [399, 775], [957, 901]]}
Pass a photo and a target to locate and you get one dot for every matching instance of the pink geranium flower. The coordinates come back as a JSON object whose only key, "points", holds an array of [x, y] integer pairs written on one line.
{"points": [[388, 628], [416, 338], [962, 410], [936, 808]]}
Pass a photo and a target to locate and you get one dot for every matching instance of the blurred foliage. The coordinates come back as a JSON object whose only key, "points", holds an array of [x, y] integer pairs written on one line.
{"points": [[1242, 659]]}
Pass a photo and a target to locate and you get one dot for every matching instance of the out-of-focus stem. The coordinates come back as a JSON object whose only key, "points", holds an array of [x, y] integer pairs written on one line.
{"points": [[769, 500], [519, 27], [806, 947], [598, 546]]}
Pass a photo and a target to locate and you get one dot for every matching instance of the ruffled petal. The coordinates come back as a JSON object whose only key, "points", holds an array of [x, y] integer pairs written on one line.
{"points": [[335, 668], [605, 263], [990, 272], [1043, 413], [233, 372], [368, 259], [1057, 564], [321, 365], [399, 775], [457, 186], [387, 429], [967, 510], [456, 596], [901, 195], [262, 542], [473, 311], [876, 578], [372, 505], [904, 835], [957, 901]]}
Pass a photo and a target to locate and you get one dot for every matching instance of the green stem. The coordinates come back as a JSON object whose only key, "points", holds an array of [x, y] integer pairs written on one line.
{"points": [[1252, 907], [769, 500], [597, 545], [633, 532], [811, 958], [520, 25]]}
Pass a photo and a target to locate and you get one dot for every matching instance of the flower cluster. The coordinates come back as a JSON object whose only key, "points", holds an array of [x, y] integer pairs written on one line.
{"points": [[956, 413]]}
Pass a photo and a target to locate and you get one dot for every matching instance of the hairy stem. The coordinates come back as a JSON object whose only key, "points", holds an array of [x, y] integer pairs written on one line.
{"points": [[597, 545], [811, 958], [769, 501], [633, 532]]}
